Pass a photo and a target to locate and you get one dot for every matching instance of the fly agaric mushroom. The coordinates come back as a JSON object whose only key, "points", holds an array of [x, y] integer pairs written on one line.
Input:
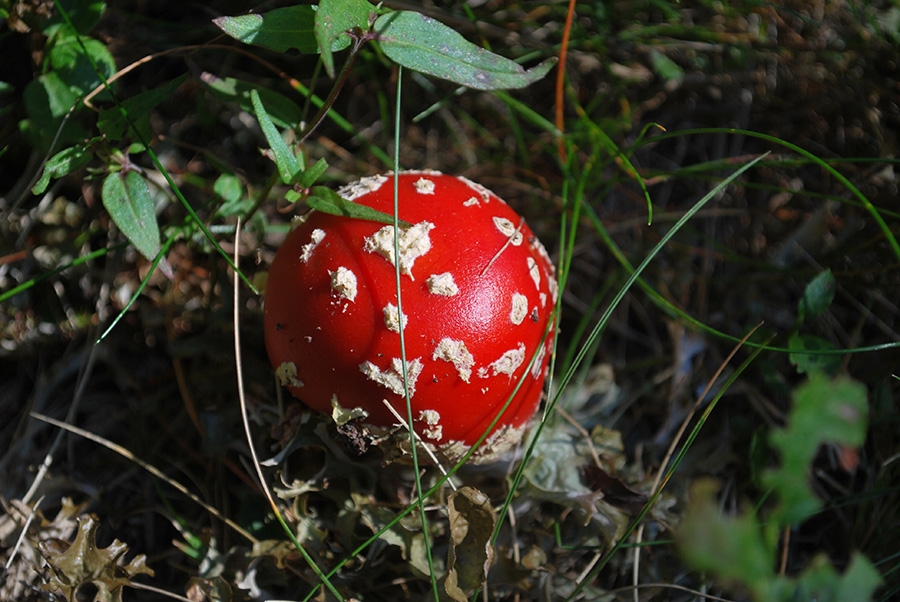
{"points": [[477, 293]]}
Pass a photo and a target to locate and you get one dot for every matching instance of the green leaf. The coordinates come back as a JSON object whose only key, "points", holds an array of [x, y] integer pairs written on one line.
{"points": [[825, 411], [64, 162], [75, 68], [807, 358], [420, 43], [281, 110], [229, 188], [288, 166], [309, 177], [113, 122], [333, 19], [326, 200], [732, 548], [822, 583], [279, 30], [818, 295], [47, 100], [126, 197]]}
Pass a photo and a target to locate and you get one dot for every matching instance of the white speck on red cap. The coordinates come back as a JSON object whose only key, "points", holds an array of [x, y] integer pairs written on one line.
{"points": [[442, 284], [456, 353], [392, 378], [413, 242]]}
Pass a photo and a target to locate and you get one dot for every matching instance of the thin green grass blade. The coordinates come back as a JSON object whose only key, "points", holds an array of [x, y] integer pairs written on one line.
{"points": [[856, 192]]}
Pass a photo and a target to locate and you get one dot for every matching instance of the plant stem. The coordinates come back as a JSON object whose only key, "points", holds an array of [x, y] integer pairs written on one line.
{"points": [[358, 41]]}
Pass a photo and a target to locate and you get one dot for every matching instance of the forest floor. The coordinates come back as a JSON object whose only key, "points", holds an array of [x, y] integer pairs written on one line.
{"points": [[681, 94]]}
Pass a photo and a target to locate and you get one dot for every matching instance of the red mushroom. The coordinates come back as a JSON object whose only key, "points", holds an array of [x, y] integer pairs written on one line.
{"points": [[477, 292]]}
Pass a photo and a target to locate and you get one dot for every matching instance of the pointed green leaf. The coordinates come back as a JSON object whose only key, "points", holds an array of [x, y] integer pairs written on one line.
{"points": [[309, 177], [64, 162], [279, 30], [126, 197], [288, 166], [333, 19], [326, 200], [420, 43]]}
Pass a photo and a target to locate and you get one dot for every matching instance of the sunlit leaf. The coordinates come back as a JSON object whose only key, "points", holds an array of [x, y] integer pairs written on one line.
{"points": [[326, 200], [420, 43], [288, 166], [313, 173], [280, 29], [64, 162], [126, 197]]}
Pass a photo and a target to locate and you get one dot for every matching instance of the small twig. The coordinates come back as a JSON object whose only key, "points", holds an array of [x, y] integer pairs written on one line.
{"points": [[358, 41], [510, 238], [20, 539], [160, 591], [561, 80]]}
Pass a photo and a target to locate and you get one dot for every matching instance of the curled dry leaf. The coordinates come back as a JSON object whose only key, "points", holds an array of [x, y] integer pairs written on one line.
{"points": [[85, 562], [471, 525]]}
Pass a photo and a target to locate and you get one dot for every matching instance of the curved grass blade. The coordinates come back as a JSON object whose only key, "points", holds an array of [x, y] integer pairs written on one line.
{"points": [[856, 192]]}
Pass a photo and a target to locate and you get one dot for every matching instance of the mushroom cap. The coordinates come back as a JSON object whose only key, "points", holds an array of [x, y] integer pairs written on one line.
{"points": [[477, 293]]}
